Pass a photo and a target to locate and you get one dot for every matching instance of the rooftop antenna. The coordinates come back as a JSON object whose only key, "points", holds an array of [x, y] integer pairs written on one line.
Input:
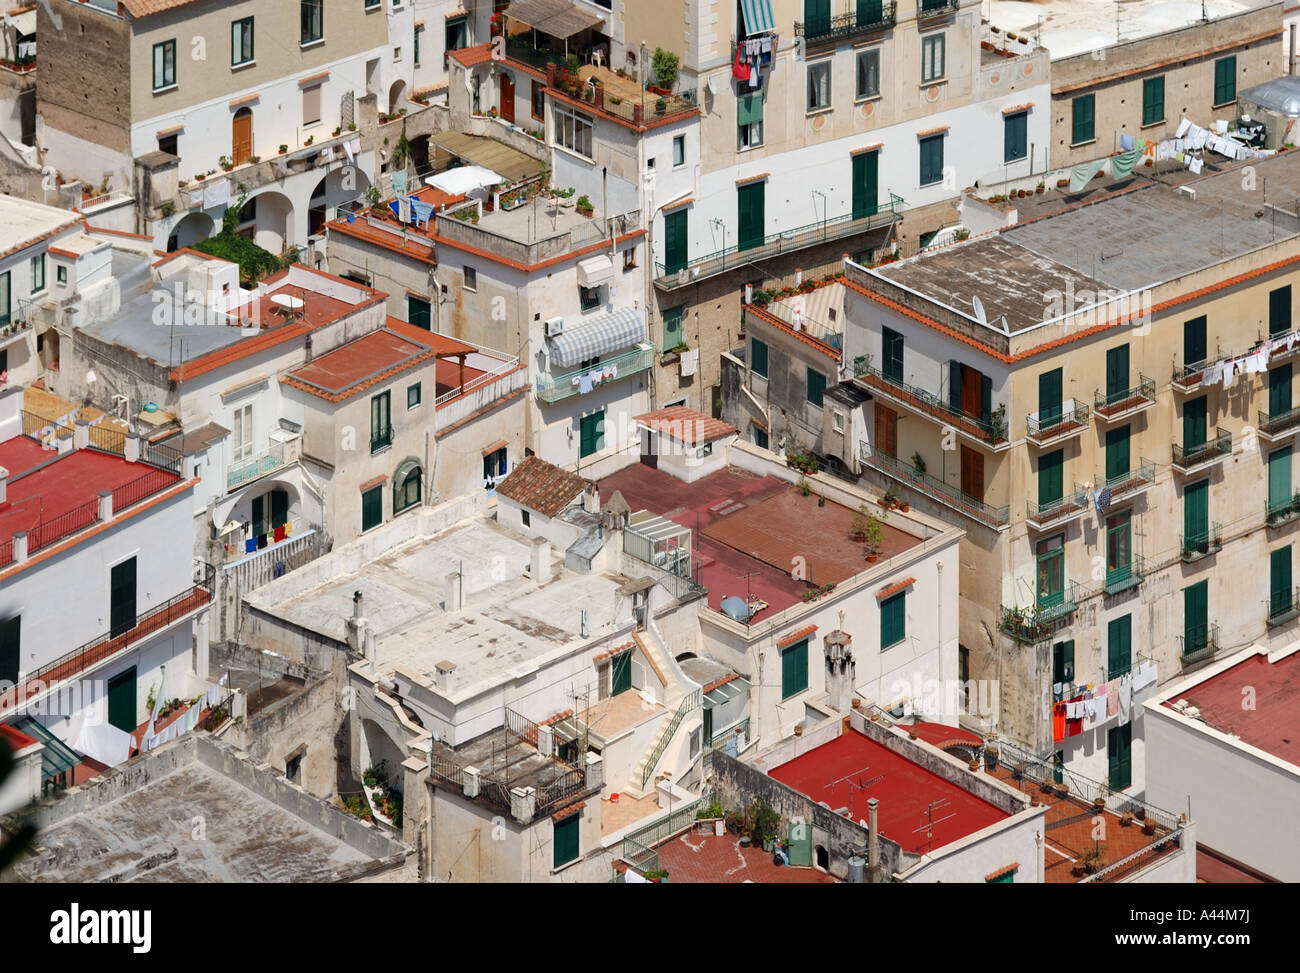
{"points": [[928, 820]]}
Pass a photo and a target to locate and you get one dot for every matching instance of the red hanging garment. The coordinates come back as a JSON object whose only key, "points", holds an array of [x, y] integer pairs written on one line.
{"points": [[740, 70], [1058, 721]]}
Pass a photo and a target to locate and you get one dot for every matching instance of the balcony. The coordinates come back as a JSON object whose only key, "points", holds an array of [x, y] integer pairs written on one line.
{"points": [[1036, 624], [1126, 576], [1198, 644], [1187, 378], [277, 457], [1203, 544], [1279, 512], [783, 241], [1125, 486], [1114, 406], [1283, 606], [380, 438], [553, 388], [990, 432], [1189, 459], [852, 24], [1070, 421], [930, 9], [495, 385], [1275, 428], [936, 489], [1059, 512]]}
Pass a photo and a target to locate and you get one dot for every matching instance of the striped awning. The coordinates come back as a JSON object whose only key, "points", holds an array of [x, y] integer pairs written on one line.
{"points": [[604, 335], [758, 16]]}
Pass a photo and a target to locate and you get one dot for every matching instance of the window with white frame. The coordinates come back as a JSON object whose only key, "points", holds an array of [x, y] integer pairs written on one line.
{"points": [[573, 131], [819, 86], [164, 65], [241, 434], [868, 73], [932, 57], [679, 150]]}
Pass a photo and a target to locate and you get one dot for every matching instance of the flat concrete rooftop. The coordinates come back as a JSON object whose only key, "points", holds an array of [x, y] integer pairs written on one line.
{"points": [[507, 625]]}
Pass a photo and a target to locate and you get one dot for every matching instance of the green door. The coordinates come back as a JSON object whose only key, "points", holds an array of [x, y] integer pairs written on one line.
{"points": [[1117, 374], [122, 700], [866, 190], [1279, 311], [800, 849], [1049, 398], [417, 312], [816, 17], [1119, 753], [1196, 512], [1279, 576], [591, 437], [372, 508], [708, 726], [1279, 479], [674, 241], [1194, 423], [10, 639], [749, 202], [1194, 342], [1279, 391], [1117, 453], [870, 12], [1119, 646], [259, 516], [1195, 616], [1050, 479], [121, 595], [621, 673], [279, 508]]}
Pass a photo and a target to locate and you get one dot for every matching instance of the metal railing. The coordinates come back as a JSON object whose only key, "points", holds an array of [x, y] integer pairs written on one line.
{"points": [[1036, 623], [447, 770], [381, 439], [1126, 576], [1283, 606], [1202, 543], [986, 428], [506, 367], [275, 457], [1067, 420], [1186, 457], [689, 703], [1198, 642], [937, 489], [567, 785], [1111, 404], [1282, 422], [1278, 512], [1070, 505], [554, 387], [935, 8], [1124, 483], [141, 487], [1188, 377], [1137, 861], [640, 848], [850, 24]]}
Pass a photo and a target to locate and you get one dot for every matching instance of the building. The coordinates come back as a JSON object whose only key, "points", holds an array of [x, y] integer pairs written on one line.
{"points": [[1136, 69], [83, 517], [1219, 741], [1087, 361]]}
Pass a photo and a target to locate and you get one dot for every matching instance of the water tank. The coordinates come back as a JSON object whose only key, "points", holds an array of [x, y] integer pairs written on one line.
{"points": [[857, 867]]}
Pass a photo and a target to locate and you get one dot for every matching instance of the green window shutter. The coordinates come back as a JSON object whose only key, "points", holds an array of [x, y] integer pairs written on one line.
{"points": [[1007, 879], [621, 673], [1195, 616], [931, 160], [1050, 477], [1015, 141], [673, 327], [866, 190], [1279, 580], [279, 508], [892, 366], [372, 508], [1194, 341], [592, 434], [1279, 390], [1279, 311], [1063, 661], [1279, 477], [1153, 100], [566, 839], [749, 109], [1225, 80], [1119, 755], [986, 399], [10, 642], [1117, 452], [794, 669], [123, 700], [954, 385], [1117, 373], [1194, 422], [122, 600], [1119, 646], [816, 387], [816, 17], [749, 205], [1049, 398], [759, 355], [675, 248], [418, 312], [1196, 512], [1082, 120], [893, 620]]}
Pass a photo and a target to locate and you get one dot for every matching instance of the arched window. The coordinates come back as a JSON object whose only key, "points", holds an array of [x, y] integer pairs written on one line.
{"points": [[406, 486]]}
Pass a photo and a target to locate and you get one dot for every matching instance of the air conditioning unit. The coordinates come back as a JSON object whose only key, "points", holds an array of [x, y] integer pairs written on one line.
{"points": [[554, 327]]}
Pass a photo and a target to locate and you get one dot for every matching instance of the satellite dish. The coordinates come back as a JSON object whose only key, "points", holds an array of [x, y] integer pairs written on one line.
{"points": [[979, 310]]}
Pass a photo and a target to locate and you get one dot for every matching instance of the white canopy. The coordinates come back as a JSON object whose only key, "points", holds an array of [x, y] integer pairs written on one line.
{"points": [[465, 179]]}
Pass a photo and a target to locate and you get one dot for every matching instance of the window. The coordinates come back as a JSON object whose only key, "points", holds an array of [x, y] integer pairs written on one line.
{"points": [[293, 768], [524, 518], [819, 86], [1063, 662], [1153, 100], [121, 598], [816, 17], [495, 464], [1196, 513], [1225, 80], [679, 150], [1194, 342], [573, 131], [1119, 753], [837, 420], [675, 241], [455, 35], [1194, 423], [413, 395], [537, 101], [620, 672], [749, 120], [868, 74], [566, 840], [758, 356], [892, 359], [406, 487], [794, 669], [1006, 878], [931, 160], [816, 387], [311, 104], [1049, 398], [932, 58], [1279, 481], [241, 42], [1050, 478], [1083, 119], [970, 393], [1119, 553], [381, 428], [164, 65], [760, 437], [419, 312], [1051, 572], [372, 4], [470, 278], [629, 259], [673, 327], [1117, 372], [169, 144], [372, 508], [1196, 621], [241, 433], [38, 273], [588, 297], [313, 21], [415, 51], [1119, 646], [61, 274], [10, 640], [893, 620], [592, 434], [1281, 595], [1279, 311], [1015, 137], [1117, 453]]}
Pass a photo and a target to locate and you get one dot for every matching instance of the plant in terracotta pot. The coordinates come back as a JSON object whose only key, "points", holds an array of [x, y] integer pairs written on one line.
{"points": [[991, 756], [284, 149], [584, 206], [890, 499], [873, 535]]}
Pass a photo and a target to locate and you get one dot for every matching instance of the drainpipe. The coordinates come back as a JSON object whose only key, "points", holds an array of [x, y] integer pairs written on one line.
{"points": [[755, 704]]}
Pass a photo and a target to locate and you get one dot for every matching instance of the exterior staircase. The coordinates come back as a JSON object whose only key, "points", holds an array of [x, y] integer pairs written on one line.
{"points": [[682, 697]]}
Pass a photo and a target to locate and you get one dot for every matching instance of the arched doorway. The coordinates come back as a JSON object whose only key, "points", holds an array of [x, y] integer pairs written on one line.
{"points": [[338, 188], [241, 136], [407, 486], [194, 228], [396, 95]]}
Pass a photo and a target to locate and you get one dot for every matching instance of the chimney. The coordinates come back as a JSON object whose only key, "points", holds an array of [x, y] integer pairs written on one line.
{"points": [[594, 771], [523, 803], [131, 451], [4, 484], [545, 740], [840, 669], [445, 676], [81, 434], [455, 599], [19, 549], [67, 443], [591, 499], [105, 504], [539, 561], [749, 293], [798, 276], [873, 838], [356, 626], [470, 781]]}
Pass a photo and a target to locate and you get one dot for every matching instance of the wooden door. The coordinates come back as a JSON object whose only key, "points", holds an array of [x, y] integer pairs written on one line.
{"points": [[241, 137], [886, 431], [507, 108], [970, 391], [972, 473]]}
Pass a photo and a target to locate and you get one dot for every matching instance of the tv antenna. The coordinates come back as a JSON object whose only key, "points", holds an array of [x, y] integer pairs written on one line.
{"points": [[858, 783], [928, 820]]}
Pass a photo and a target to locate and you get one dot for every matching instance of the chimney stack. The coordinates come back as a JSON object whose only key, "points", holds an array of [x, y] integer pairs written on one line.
{"points": [[356, 626], [4, 484], [591, 499], [539, 561], [455, 600], [445, 676], [873, 838], [840, 669]]}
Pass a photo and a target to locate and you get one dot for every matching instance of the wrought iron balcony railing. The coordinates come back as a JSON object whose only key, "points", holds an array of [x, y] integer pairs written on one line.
{"points": [[1125, 576], [1071, 419], [1114, 405], [1202, 543], [1187, 458], [938, 490], [865, 18]]}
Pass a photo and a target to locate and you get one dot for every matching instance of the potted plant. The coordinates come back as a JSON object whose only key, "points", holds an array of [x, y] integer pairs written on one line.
{"points": [[309, 140], [890, 498], [1018, 771], [584, 206], [283, 149], [660, 105], [1042, 188], [991, 755], [352, 127], [225, 163], [874, 535], [338, 129], [859, 525], [918, 464]]}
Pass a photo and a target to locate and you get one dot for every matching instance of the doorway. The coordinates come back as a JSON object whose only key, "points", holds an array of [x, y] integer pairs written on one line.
{"points": [[507, 93], [241, 136]]}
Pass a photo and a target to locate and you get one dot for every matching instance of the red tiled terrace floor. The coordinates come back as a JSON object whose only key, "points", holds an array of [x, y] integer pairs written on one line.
{"points": [[706, 858]]}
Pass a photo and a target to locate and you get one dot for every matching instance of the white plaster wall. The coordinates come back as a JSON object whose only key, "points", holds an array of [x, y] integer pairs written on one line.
{"points": [[969, 860]]}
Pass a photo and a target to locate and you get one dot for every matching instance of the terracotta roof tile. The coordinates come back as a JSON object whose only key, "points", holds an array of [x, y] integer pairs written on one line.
{"points": [[794, 637], [538, 485], [686, 425], [894, 589], [1002, 871]]}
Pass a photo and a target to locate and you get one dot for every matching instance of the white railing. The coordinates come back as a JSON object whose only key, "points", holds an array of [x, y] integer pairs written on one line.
{"points": [[481, 391], [268, 461]]}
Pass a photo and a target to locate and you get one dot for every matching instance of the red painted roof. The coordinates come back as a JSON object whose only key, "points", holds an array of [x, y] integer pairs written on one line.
{"points": [[370, 360], [1273, 724], [16, 738], [904, 789], [704, 858], [19, 454], [686, 425], [941, 735]]}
